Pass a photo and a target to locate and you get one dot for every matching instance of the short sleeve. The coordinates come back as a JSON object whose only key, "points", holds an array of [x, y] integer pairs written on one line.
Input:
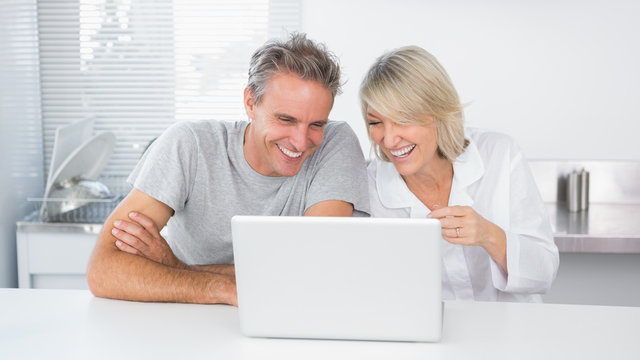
{"points": [[339, 170], [168, 168]]}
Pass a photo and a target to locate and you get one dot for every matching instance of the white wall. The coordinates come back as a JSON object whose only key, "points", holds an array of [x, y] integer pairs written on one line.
{"points": [[562, 77]]}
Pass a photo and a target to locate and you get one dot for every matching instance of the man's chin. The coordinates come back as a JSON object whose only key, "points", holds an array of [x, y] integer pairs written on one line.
{"points": [[288, 166], [289, 171]]}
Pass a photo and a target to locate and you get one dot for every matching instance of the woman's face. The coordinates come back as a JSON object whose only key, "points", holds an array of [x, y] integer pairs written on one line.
{"points": [[411, 148]]}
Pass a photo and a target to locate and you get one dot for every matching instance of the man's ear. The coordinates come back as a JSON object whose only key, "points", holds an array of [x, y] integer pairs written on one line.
{"points": [[249, 103]]}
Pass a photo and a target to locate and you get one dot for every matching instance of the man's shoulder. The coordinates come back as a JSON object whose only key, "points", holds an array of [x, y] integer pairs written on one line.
{"points": [[205, 126], [204, 131], [339, 131], [337, 126]]}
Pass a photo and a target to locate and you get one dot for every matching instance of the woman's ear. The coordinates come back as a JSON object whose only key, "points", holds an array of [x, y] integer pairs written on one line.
{"points": [[249, 103]]}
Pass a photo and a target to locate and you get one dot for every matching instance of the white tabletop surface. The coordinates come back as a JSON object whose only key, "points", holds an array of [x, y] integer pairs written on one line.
{"points": [[72, 324]]}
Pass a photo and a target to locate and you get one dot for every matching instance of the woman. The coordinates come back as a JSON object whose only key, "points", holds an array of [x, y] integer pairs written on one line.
{"points": [[498, 244]]}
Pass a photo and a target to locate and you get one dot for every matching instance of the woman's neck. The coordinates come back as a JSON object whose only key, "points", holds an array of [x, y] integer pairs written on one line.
{"points": [[432, 185]]}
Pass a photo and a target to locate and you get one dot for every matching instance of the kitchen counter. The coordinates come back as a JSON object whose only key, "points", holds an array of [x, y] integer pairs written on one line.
{"points": [[58, 227], [72, 324], [603, 228]]}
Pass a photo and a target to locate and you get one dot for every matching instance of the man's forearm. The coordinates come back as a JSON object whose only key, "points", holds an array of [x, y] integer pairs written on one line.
{"points": [[223, 269], [119, 275]]}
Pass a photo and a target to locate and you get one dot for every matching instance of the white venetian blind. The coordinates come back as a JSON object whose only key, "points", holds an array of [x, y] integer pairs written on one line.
{"points": [[20, 117], [137, 66]]}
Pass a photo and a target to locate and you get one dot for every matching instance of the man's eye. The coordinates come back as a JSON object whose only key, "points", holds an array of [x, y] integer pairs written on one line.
{"points": [[318, 124]]}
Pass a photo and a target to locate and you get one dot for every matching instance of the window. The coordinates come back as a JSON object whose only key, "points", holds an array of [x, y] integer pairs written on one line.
{"points": [[20, 118], [137, 66]]}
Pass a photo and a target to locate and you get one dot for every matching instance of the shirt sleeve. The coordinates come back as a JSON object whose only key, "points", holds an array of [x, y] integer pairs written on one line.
{"points": [[339, 170], [532, 256], [167, 169]]}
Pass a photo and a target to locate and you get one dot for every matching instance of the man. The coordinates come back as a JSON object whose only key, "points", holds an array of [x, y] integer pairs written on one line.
{"points": [[287, 160]]}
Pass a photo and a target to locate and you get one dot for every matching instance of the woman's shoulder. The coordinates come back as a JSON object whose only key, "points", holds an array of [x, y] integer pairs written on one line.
{"points": [[480, 135], [375, 165], [491, 142]]}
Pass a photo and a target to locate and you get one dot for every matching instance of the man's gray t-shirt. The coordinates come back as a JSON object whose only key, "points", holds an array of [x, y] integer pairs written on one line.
{"points": [[198, 168]]}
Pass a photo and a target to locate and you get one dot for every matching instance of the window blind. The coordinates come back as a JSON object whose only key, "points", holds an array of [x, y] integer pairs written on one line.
{"points": [[20, 117], [137, 66]]}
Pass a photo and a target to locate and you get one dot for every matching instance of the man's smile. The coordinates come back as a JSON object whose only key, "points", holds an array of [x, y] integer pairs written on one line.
{"points": [[289, 153]]}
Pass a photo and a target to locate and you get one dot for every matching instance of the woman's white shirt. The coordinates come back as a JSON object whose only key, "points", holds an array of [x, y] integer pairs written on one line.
{"points": [[493, 177]]}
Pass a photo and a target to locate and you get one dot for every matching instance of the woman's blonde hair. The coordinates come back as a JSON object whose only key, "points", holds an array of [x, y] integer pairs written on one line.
{"points": [[408, 84]]}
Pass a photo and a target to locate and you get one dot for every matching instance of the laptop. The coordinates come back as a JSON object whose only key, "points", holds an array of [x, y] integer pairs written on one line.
{"points": [[338, 277]]}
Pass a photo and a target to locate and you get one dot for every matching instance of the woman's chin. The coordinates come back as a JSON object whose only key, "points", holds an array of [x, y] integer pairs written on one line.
{"points": [[405, 168]]}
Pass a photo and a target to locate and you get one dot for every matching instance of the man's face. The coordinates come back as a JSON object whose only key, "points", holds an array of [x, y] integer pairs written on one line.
{"points": [[287, 126]]}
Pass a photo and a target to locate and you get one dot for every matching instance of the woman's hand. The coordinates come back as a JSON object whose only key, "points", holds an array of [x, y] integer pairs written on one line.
{"points": [[142, 237], [463, 225]]}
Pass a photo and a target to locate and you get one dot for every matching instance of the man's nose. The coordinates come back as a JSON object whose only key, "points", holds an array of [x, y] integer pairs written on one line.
{"points": [[300, 138]]}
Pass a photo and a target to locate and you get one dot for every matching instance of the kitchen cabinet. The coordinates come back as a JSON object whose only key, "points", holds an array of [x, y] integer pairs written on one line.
{"points": [[54, 255], [596, 279]]}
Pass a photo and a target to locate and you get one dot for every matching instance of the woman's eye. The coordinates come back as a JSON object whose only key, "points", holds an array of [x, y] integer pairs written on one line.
{"points": [[373, 123]]}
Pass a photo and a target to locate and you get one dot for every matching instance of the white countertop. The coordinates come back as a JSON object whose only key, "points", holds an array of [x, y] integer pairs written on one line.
{"points": [[72, 324]]}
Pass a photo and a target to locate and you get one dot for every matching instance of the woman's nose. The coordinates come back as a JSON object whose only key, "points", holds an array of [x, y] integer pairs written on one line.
{"points": [[390, 135]]}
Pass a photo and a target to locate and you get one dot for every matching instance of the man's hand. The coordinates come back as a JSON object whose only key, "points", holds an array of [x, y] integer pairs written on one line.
{"points": [[149, 275], [142, 237]]}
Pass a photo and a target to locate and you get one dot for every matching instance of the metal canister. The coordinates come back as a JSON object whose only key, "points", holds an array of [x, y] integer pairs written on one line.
{"points": [[574, 191], [584, 190]]}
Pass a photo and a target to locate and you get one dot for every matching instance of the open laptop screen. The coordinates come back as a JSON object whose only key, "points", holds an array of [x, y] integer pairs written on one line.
{"points": [[338, 278]]}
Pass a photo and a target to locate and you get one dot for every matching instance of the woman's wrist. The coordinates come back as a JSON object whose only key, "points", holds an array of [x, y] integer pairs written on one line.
{"points": [[496, 246]]}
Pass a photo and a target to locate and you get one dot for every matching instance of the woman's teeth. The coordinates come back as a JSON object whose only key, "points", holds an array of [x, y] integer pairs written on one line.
{"points": [[402, 152]]}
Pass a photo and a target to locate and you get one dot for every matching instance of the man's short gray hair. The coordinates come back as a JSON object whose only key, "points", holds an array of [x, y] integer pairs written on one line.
{"points": [[297, 55]]}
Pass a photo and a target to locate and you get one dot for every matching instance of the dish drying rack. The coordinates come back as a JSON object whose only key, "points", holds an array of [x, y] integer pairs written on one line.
{"points": [[95, 211]]}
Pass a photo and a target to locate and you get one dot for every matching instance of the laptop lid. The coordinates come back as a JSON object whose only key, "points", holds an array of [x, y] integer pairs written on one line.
{"points": [[338, 278]]}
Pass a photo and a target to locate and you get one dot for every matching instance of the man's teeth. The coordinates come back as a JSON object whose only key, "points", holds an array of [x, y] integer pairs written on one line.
{"points": [[290, 153], [402, 152]]}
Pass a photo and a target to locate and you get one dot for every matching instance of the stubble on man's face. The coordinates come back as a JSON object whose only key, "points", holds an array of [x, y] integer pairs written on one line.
{"points": [[287, 126]]}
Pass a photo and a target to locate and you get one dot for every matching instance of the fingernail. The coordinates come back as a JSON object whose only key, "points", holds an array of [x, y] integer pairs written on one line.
{"points": [[114, 231], [117, 223], [118, 243], [133, 214]]}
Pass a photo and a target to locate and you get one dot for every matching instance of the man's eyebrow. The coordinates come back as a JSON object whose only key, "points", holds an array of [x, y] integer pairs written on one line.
{"points": [[285, 116], [289, 117]]}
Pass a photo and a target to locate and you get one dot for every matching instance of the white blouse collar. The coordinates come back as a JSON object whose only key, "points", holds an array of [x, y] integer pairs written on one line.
{"points": [[394, 193]]}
